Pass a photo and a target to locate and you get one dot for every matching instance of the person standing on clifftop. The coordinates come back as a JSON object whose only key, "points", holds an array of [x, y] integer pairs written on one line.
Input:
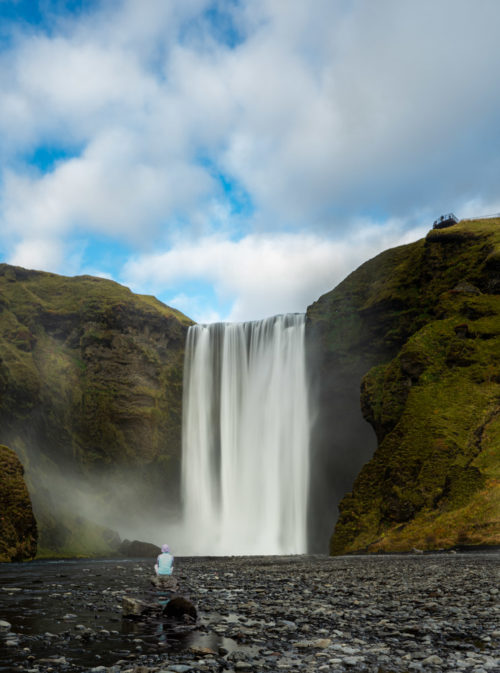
{"points": [[165, 562]]}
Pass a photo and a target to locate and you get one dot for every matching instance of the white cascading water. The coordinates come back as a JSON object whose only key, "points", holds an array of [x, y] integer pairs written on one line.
{"points": [[245, 462]]}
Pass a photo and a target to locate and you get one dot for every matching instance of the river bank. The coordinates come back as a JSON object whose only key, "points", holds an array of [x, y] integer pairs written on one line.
{"points": [[380, 614]]}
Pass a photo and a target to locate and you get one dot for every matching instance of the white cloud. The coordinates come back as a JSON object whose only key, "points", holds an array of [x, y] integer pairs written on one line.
{"points": [[261, 275], [478, 208], [36, 253], [193, 305], [321, 115], [108, 189]]}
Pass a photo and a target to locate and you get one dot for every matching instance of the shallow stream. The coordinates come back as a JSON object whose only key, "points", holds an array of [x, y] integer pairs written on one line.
{"points": [[73, 609]]}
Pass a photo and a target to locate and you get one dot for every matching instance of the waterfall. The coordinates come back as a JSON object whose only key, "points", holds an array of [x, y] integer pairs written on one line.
{"points": [[245, 461]]}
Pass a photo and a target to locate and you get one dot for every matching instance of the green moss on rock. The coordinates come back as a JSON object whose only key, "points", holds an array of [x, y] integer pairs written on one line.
{"points": [[18, 530], [90, 387], [425, 321]]}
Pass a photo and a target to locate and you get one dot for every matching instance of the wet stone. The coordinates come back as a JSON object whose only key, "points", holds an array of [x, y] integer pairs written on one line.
{"points": [[12, 643]]}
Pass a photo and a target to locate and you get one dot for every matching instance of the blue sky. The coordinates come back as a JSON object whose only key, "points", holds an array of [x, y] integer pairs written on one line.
{"points": [[238, 158]]}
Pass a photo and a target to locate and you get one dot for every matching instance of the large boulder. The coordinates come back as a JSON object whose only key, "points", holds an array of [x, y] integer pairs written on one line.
{"points": [[165, 583], [18, 530]]}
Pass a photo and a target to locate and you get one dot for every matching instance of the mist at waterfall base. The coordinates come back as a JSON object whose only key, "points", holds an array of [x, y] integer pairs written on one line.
{"points": [[273, 439], [245, 464]]}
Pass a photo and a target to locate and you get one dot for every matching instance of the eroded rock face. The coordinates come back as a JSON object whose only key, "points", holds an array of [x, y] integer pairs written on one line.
{"points": [[18, 531], [419, 328], [90, 397]]}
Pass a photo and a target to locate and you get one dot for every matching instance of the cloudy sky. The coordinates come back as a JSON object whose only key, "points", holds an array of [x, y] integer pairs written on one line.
{"points": [[237, 158]]}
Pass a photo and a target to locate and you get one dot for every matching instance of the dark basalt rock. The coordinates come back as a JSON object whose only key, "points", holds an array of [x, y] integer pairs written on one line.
{"points": [[180, 608], [138, 549]]}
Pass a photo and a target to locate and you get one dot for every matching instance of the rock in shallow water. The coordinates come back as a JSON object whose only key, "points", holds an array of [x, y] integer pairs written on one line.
{"points": [[165, 582], [134, 607]]}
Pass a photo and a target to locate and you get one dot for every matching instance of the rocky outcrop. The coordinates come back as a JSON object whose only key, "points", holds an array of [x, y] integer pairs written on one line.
{"points": [[138, 549], [422, 324], [18, 531], [90, 398]]}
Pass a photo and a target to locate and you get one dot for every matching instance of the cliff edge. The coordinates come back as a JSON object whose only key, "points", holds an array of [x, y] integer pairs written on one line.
{"points": [[423, 322]]}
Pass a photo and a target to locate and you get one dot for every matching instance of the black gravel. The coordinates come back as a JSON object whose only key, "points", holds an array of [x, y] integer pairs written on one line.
{"points": [[384, 614]]}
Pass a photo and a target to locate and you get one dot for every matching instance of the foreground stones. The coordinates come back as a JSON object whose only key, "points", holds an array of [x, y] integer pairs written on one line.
{"points": [[349, 614], [174, 607]]}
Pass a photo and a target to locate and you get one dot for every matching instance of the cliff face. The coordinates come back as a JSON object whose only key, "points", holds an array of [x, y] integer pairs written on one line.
{"points": [[422, 323], [18, 531], [90, 397]]}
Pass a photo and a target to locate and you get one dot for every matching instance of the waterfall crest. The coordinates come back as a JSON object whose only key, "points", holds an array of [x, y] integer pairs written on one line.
{"points": [[245, 462]]}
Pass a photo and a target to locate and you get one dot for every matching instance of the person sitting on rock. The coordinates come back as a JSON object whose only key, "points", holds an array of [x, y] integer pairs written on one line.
{"points": [[165, 562]]}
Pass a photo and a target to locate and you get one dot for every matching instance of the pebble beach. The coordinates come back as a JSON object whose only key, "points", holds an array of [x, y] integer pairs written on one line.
{"points": [[382, 614]]}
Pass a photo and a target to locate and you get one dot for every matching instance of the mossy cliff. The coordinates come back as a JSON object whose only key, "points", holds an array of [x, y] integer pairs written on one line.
{"points": [[90, 399], [18, 532], [422, 324]]}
